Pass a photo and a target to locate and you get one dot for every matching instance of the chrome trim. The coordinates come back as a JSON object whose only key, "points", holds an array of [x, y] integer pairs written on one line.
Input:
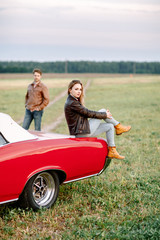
{"points": [[107, 162], [12, 200], [77, 179]]}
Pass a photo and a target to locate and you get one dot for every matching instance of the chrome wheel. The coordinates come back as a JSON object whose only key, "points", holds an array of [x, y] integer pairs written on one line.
{"points": [[43, 189]]}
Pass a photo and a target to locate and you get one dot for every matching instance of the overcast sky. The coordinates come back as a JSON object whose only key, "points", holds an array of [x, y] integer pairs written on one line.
{"points": [[101, 30]]}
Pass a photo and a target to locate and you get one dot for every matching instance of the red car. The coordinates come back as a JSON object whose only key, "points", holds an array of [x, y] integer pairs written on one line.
{"points": [[34, 164]]}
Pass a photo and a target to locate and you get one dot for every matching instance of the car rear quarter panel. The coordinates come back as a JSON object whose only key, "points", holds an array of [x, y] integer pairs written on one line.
{"points": [[77, 157]]}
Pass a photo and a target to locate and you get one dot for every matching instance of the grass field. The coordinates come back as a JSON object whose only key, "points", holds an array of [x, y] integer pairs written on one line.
{"points": [[121, 204]]}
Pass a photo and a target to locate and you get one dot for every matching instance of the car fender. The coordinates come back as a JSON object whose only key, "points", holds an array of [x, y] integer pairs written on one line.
{"points": [[61, 174]]}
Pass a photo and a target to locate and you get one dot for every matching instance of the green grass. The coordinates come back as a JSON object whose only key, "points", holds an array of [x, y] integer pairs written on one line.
{"points": [[123, 203]]}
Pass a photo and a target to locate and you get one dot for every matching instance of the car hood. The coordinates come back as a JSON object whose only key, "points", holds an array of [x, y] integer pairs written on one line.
{"points": [[45, 135]]}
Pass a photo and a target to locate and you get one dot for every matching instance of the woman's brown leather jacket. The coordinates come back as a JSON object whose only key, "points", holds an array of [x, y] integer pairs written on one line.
{"points": [[77, 116]]}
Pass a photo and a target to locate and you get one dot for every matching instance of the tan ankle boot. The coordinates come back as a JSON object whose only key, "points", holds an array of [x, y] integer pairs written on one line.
{"points": [[121, 129], [112, 153]]}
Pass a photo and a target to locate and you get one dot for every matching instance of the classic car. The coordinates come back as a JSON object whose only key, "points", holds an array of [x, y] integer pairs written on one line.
{"points": [[33, 164]]}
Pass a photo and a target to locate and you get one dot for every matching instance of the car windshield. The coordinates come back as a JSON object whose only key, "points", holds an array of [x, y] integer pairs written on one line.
{"points": [[3, 141], [11, 132]]}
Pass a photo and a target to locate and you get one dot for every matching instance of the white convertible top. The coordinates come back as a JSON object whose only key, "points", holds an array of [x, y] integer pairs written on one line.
{"points": [[12, 131]]}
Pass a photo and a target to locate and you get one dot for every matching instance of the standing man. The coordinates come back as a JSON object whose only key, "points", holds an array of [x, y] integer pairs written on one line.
{"points": [[36, 99]]}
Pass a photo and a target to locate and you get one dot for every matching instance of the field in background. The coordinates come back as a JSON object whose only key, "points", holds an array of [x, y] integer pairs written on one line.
{"points": [[122, 203]]}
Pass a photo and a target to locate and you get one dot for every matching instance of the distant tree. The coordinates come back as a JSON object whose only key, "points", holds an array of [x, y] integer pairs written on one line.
{"points": [[81, 67]]}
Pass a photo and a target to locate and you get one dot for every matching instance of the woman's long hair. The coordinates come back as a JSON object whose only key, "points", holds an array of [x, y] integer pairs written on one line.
{"points": [[70, 86]]}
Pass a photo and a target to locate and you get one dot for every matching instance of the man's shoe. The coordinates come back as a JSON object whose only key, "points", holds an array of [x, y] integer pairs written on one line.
{"points": [[121, 129], [112, 153]]}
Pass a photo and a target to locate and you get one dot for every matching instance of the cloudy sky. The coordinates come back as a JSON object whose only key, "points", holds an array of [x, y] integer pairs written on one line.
{"points": [[100, 30]]}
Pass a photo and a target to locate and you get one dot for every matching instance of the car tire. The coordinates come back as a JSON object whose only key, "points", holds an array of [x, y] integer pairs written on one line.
{"points": [[41, 191]]}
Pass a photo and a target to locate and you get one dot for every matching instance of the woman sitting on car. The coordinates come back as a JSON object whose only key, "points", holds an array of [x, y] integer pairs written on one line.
{"points": [[77, 119]]}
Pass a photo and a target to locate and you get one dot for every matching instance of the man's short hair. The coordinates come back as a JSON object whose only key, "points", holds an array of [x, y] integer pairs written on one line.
{"points": [[37, 70]]}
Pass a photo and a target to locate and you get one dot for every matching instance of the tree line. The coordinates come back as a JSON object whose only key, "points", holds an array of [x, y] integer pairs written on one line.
{"points": [[130, 67]]}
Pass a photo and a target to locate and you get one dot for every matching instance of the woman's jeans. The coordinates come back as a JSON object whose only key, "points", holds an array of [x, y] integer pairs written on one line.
{"points": [[98, 127], [29, 116]]}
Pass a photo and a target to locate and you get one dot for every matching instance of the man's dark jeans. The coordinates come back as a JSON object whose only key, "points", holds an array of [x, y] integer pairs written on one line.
{"points": [[29, 116]]}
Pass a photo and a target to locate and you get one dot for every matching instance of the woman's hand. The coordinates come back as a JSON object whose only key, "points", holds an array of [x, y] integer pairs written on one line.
{"points": [[109, 115]]}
